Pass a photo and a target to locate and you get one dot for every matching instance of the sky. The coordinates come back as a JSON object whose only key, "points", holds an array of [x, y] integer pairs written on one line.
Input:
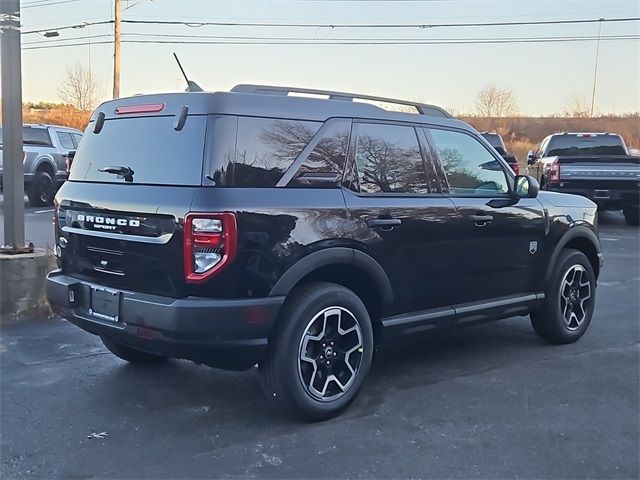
{"points": [[543, 77]]}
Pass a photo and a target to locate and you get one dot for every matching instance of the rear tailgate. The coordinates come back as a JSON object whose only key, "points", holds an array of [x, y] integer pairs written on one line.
{"points": [[605, 171], [124, 237], [125, 231]]}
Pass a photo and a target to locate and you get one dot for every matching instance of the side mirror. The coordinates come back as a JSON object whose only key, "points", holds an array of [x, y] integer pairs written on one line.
{"points": [[526, 187], [531, 157]]}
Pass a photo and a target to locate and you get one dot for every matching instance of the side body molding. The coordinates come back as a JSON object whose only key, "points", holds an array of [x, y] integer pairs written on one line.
{"points": [[335, 256]]}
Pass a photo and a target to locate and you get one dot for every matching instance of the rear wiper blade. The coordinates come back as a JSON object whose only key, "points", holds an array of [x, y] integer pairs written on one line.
{"points": [[122, 172]]}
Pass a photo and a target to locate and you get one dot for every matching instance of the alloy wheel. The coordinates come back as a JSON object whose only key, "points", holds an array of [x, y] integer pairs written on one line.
{"points": [[330, 353], [575, 293]]}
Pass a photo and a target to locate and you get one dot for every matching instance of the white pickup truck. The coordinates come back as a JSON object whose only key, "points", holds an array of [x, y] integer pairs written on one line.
{"points": [[46, 150]]}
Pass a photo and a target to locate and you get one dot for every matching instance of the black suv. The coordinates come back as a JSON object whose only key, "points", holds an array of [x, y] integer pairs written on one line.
{"points": [[296, 233]]}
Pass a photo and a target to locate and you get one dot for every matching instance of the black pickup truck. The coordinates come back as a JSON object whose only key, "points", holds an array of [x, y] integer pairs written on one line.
{"points": [[595, 165]]}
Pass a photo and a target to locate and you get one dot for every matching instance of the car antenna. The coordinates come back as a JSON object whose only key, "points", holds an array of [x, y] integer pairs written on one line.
{"points": [[191, 85]]}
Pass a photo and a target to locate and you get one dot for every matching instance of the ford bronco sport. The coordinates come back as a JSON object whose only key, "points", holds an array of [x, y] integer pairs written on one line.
{"points": [[296, 233]]}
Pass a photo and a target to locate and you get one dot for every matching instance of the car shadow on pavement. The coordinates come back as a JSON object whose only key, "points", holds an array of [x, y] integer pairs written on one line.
{"points": [[180, 390]]}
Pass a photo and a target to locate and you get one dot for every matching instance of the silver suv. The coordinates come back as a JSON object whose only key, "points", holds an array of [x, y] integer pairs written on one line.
{"points": [[46, 157]]}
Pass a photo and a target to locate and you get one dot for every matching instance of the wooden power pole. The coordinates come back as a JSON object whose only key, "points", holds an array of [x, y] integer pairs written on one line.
{"points": [[117, 33]]}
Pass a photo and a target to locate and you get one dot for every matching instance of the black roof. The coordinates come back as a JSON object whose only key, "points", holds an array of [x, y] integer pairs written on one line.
{"points": [[267, 101]]}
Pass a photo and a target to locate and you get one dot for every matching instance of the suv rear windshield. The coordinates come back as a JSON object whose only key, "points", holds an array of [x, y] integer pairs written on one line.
{"points": [[149, 146], [33, 136], [573, 145], [496, 142]]}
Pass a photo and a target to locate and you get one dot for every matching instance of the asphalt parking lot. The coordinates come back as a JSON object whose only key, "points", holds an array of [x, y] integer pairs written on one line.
{"points": [[486, 402]]}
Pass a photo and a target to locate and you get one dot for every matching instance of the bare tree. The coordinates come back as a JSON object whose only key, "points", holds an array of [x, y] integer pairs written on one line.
{"points": [[79, 88], [577, 108], [493, 101]]}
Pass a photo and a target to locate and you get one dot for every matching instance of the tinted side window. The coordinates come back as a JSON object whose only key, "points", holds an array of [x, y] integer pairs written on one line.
{"points": [[388, 159], [65, 140], [76, 138], [328, 156], [470, 168], [267, 147]]}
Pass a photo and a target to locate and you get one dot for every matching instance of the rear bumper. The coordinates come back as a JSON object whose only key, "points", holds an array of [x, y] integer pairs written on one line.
{"points": [[229, 334], [606, 199]]}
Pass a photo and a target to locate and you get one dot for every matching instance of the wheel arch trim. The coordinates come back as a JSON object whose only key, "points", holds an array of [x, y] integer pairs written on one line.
{"points": [[335, 256], [577, 232]]}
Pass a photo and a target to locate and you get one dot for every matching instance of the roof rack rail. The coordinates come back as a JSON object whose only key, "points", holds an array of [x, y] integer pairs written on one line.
{"points": [[421, 108]]}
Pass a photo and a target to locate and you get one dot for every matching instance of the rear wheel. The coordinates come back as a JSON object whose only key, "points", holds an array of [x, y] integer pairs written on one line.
{"points": [[41, 190], [131, 354], [320, 353], [632, 215], [569, 302]]}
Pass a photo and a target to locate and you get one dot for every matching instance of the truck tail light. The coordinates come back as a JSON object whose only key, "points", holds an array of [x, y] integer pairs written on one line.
{"points": [[68, 162], [210, 244], [553, 174]]}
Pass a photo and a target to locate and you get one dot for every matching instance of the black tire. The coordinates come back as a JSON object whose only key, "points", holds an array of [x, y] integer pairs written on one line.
{"points": [[632, 216], [130, 354], [289, 381], [41, 191], [565, 317]]}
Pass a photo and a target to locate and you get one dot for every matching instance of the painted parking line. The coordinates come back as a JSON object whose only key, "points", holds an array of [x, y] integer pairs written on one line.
{"points": [[44, 211]]}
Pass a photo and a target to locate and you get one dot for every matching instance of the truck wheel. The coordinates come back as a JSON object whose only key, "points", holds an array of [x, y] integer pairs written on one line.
{"points": [[320, 352], [632, 215], [569, 302], [130, 354], [41, 190]]}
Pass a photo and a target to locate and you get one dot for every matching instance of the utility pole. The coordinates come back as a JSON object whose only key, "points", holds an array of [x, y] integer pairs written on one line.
{"points": [[595, 69], [117, 33], [13, 174]]}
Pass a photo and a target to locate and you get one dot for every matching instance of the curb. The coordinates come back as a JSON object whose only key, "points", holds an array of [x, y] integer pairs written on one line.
{"points": [[23, 292]]}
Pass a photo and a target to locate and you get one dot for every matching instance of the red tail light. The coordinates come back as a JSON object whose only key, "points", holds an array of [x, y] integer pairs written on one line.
{"points": [[553, 174], [68, 162], [210, 244]]}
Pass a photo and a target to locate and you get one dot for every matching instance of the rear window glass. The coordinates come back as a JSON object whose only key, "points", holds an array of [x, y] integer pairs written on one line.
{"points": [[496, 142], [33, 136], [150, 146], [267, 147], [572, 145]]}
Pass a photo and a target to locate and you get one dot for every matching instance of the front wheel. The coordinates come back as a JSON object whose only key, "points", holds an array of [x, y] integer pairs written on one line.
{"points": [[570, 300], [320, 353], [632, 215]]}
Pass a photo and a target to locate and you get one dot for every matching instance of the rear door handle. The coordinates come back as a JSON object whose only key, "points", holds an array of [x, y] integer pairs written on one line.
{"points": [[385, 224], [481, 220]]}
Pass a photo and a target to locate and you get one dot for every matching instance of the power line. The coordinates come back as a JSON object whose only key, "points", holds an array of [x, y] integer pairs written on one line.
{"points": [[379, 25], [352, 42], [68, 27], [311, 40], [239, 24], [47, 4]]}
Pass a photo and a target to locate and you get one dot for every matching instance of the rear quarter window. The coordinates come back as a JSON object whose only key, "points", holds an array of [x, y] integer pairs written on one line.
{"points": [[267, 147]]}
